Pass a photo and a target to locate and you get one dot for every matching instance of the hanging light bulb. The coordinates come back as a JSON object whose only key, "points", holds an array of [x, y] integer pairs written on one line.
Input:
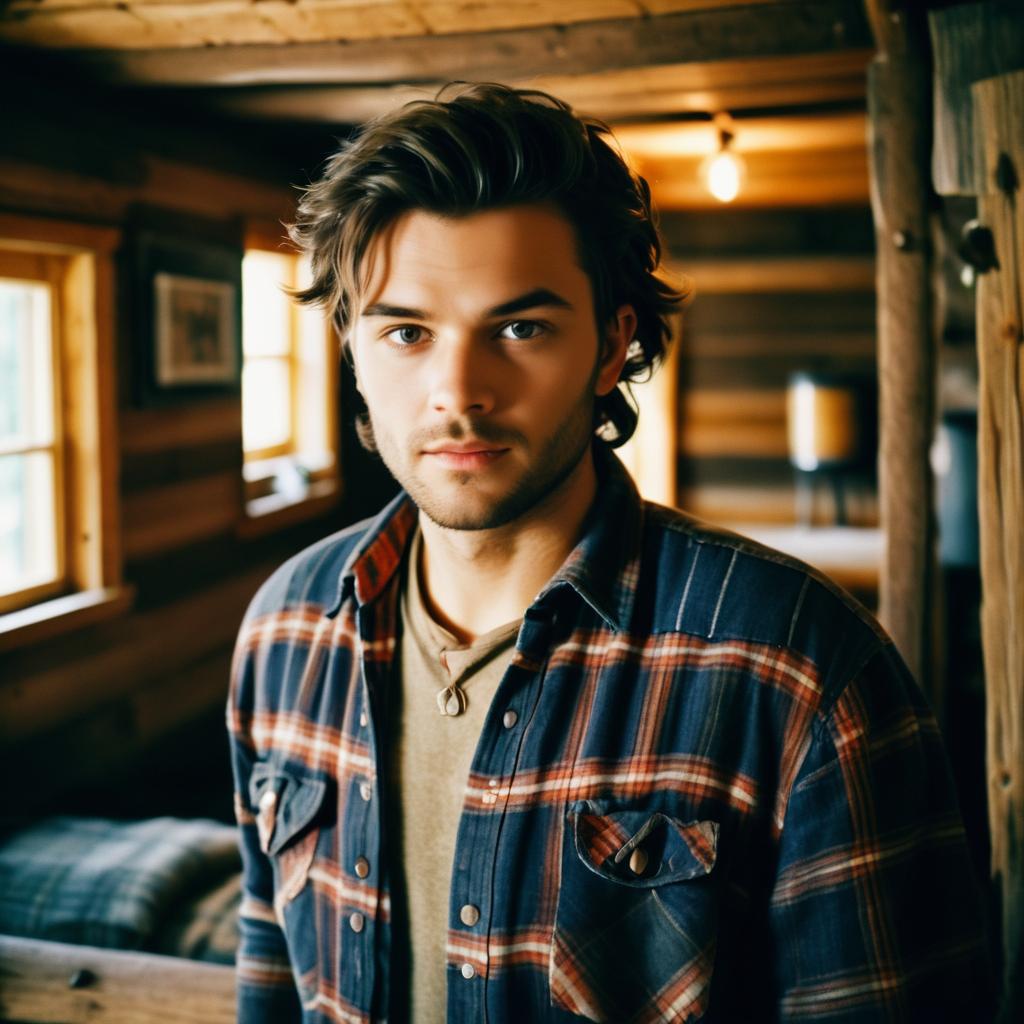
{"points": [[723, 171]]}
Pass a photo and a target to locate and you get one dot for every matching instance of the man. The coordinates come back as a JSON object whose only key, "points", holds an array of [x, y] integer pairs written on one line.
{"points": [[525, 748]]}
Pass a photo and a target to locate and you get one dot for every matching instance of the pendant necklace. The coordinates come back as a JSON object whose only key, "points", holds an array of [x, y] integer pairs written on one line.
{"points": [[451, 699]]}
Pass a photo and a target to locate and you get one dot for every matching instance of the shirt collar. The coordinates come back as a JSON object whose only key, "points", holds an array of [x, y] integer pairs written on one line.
{"points": [[602, 568]]}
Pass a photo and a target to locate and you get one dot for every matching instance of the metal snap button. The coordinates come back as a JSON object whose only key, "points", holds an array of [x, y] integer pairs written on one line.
{"points": [[509, 719], [356, 921], [468, 970], [469, 914], [365, 791], [363, 867]]}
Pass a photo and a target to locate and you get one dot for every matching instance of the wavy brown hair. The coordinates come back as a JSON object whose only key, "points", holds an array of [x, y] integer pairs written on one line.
{"points": [[476, 147]]}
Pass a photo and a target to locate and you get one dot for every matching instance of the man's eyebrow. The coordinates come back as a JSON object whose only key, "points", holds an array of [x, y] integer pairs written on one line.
{"points": [[529, 300], [538, 297], [383, 309]]}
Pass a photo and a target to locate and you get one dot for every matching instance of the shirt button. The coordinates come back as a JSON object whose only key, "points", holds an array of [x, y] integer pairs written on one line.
{"points": [[365, 790], [510, 719], [489, 798], [469, 914], [363, 867], [362, 719], [638, 861], [268, 799], [355, 921], [468, 970]]}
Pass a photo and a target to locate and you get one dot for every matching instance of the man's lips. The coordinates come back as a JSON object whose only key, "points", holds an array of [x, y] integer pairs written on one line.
{"points": [[465, 448], [465, 454]]}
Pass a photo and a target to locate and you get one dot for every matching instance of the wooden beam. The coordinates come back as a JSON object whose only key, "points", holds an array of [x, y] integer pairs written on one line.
{"points": [[802, 79], [114, 987], [999, 107], [725, 33], [899, 111]]}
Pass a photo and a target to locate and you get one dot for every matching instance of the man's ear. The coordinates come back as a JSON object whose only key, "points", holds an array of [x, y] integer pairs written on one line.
{"points": [[618, 335]]}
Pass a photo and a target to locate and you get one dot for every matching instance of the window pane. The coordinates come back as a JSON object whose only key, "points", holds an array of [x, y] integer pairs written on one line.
{"points": [[26, 364], [266, 404], [266, 309], [28, 525]]}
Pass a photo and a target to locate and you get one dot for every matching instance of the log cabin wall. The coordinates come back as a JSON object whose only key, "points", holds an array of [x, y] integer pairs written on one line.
{"points": [[125, 716], [776, 291]]}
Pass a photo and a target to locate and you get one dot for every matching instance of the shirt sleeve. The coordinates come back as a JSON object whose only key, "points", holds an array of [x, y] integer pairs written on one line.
{"points": [[875, 910], [266, 992]]}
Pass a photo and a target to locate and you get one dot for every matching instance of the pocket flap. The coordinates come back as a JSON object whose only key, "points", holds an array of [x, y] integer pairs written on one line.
{"points": [[641, 848], [295, 802]]}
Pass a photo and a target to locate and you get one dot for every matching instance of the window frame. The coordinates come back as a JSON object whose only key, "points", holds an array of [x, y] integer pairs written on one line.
{"points": [[49, 270], [90, 587], [266, 511]]}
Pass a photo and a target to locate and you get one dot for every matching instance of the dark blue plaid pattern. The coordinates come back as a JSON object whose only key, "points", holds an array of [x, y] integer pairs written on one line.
{"points": [[720, 797]]}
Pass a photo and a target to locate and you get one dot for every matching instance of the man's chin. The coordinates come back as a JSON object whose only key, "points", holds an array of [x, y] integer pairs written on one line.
{"points": [[468, 516]]}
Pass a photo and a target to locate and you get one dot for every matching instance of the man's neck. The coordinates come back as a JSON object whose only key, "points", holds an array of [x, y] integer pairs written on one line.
{"points": [[476, 580]]}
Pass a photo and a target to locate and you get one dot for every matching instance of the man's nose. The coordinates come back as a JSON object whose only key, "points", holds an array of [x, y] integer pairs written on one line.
{"points": [[461, 377]]}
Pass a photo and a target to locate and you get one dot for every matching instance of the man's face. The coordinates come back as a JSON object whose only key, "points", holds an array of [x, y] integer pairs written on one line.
{"points": [[478, 356]]}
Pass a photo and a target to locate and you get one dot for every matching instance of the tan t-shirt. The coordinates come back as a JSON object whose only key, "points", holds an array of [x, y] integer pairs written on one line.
{"points": [[431, 757]]}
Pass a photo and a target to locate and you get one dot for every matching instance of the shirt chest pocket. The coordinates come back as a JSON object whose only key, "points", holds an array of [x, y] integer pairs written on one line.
{"points": [[289, 818], [636, 923]]}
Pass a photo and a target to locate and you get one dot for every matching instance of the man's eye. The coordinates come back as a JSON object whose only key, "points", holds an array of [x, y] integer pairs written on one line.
{"points": [[405, 335], [521, 330]]}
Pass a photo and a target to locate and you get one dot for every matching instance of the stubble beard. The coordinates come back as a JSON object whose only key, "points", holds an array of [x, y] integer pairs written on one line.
{"points": [[561, 454]]}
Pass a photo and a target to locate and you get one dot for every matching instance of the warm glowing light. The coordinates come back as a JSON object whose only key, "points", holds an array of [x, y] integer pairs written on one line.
{"points": [[723, 176]]}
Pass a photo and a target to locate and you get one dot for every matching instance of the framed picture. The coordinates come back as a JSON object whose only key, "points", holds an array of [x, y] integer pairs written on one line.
{"points": [[195, 330], [187, 327]]}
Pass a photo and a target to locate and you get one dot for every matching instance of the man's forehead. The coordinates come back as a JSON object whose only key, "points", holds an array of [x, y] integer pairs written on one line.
{"points": [[495, 253]]}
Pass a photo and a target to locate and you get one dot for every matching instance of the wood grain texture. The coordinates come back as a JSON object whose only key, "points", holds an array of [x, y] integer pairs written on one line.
{"points": [[130, 988], [800, 79], [898, 108], [999, 105], [121, 658], [722, 33], [970, 42]]}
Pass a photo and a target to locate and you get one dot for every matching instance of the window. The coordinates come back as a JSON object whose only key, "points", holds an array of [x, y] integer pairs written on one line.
{"points": [[289, 389], [59, 557], [31, 477]]}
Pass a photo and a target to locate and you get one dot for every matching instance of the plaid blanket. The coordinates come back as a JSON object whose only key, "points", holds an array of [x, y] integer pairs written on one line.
{"points": [[162, 884]]}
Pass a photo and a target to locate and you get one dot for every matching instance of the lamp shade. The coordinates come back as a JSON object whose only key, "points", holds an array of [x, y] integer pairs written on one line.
{"points": [[822, 421]]}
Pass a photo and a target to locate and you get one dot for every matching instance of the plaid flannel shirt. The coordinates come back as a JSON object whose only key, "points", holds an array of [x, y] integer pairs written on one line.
{"points": [[706, 789]]}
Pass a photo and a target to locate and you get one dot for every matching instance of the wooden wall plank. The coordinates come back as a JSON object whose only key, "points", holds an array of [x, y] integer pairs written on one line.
{"points": [[122, 658], [161, 518], [144, 431], [828, 274], [33, 188]]}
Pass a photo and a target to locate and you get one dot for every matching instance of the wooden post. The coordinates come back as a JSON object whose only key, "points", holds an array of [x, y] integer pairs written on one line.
{"points": [[999, 106], [899, 108], [979, 87]]}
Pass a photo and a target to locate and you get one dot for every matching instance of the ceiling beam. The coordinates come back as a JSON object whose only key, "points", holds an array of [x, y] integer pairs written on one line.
{"points": [[657, 90], [725, 33]]}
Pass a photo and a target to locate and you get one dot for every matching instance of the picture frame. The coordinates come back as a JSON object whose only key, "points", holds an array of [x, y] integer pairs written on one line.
{"points": [[187, 299]]}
